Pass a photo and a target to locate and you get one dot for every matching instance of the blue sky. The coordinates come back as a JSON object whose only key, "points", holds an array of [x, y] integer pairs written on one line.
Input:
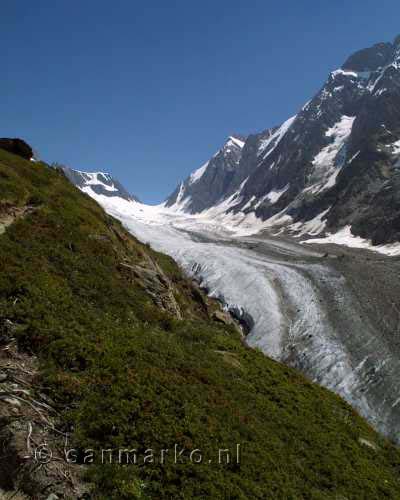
{"points": [[149, 90]]}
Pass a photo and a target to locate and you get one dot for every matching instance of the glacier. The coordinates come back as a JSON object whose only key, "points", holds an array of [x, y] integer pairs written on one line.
{"points": [[283, 286]]}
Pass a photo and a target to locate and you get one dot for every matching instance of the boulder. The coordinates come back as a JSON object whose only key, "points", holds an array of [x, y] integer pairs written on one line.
{"points": [[17, 147]]}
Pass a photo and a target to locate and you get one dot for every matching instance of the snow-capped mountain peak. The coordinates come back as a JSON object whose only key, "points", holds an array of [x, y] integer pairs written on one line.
{"points": [[205, 186], [325, 164], [99, 183]]}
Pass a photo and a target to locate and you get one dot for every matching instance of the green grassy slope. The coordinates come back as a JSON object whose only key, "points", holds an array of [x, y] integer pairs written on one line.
{"points": [[126, 374]]}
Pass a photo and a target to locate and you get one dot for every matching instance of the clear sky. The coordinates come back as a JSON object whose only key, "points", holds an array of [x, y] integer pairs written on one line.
{"points": [[149, 90]]}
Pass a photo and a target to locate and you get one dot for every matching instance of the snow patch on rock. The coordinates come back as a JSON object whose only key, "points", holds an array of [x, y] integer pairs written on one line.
{"points": [[347, 238], [98, 178], [311, 227], [198, 174], [274, 195], [273, 140], [329, 161]]}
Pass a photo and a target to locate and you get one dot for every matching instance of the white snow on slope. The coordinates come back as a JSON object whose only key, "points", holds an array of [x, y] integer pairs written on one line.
{"points": [[250, 203], [220, 221], [275, 138], [181, 201], [94, 178], [311, 227], [330, 159], [396, 147], [181, 193], [344, 73], [273, 196], [346, 238], [236, 141], [379, 75], [364, 75], [353, 157], [198, 174]]}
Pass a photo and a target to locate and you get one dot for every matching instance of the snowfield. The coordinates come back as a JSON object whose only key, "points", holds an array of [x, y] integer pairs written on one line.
{"points": [[346, 238]]}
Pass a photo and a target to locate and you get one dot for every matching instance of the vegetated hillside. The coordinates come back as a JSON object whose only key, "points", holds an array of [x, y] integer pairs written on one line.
{"points": [[134, 356]]}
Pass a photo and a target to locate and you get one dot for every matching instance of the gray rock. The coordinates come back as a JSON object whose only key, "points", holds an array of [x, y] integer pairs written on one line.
{"points": [[151, 278]]}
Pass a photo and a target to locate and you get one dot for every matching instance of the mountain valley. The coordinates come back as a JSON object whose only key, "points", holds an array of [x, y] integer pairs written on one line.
{"points": [[256, 308]]}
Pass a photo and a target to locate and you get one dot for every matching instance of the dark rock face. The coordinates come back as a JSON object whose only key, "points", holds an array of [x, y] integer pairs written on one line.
{"points": [[370, 59], [99, 182], [338, 159], [211, 182], [17, 147]]}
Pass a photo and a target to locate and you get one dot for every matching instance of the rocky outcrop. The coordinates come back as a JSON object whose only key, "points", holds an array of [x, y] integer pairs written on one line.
{"points": [[17, 147], [33, 461], [10, 213], [157, 285]]}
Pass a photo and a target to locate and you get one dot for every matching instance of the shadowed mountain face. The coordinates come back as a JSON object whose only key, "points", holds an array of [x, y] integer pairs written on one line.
{"points": [[336, 161]]}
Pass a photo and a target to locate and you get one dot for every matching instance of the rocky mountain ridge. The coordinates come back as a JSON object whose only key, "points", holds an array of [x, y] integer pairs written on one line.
{"points": [[335, 164]]}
